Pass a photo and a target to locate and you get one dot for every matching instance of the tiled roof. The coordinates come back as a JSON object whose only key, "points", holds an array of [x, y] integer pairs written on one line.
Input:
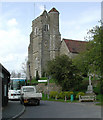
{"points": [[75, 46], [53, 10]]}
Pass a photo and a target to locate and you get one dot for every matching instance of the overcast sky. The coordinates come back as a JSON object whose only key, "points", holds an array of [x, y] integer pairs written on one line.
{"points": [[76, 18]]}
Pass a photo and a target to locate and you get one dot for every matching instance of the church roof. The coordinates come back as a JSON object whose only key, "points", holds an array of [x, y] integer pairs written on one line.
{"points": [[53, 10], [75, 46]]}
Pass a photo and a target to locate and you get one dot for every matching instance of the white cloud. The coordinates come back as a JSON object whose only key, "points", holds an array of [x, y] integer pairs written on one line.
{"points": [[12, 22], [13, 45], [77, 29]]}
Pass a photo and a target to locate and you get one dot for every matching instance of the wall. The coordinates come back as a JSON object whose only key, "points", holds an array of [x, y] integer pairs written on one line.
{"points": [[42, 87], [5, 76], [64, 50]]}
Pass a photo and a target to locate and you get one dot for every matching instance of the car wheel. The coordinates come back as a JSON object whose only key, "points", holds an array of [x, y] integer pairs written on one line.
{"points": [[38, 102]]}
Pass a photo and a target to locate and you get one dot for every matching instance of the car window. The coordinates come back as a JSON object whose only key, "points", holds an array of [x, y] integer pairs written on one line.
{"points": [[28, 89]]}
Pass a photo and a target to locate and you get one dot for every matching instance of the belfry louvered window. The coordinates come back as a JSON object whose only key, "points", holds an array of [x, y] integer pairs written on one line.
{"points": [[46, 27], [36, 30]]}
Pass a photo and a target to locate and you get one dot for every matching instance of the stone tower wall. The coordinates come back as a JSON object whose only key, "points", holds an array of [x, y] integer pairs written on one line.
{"points": [[55, 37], [45, 45], [45, 41], [37, 39]]}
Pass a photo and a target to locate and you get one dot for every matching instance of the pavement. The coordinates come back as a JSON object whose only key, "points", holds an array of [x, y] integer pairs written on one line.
{"points": [[13, 110]]}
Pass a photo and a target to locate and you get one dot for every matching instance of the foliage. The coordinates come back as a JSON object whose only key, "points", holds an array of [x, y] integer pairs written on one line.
{"points": [[33, 80], [82, 86], [43, 78], [99, 88], [61, 95], [15, 74], [53, 94], [80, 93], [92, 59], [64, 72], [24, 67], [99, 97], [68, 94]]}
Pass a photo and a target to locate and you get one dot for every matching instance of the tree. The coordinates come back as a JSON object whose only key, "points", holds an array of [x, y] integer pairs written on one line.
{"points": [[16, 74], [64, 72], [13, 74], [24, 67], [92, 59]]}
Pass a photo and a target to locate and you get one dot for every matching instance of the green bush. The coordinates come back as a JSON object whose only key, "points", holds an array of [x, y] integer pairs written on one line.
{"points": [[53, 94], [82, 86], [61, 95], [66, 93], [80, 93], [98, 89], [43, 78]]}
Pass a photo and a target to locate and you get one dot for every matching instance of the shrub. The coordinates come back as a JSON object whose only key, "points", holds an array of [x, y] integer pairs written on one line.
{"points": [[53, 94], [66, 94], [97, 89], [61, 95], [80, 93]]}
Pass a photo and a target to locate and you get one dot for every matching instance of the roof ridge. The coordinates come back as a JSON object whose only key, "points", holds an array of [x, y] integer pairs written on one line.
{"points": [[53, 10], [74, 40]]}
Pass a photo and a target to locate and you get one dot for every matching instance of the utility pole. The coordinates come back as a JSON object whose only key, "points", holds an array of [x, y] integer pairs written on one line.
{"points": [[102, 13], [34, 10]]}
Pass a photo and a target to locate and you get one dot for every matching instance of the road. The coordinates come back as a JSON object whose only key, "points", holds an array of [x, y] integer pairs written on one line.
{"points": [[51, 109]]}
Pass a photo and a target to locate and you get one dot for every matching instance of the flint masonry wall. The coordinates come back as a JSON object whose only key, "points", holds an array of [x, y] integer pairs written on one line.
{"points": [[42, 87], [45, 42]]}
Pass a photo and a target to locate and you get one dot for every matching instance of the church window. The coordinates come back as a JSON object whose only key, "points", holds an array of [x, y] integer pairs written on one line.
{"points": [[46, 27]]}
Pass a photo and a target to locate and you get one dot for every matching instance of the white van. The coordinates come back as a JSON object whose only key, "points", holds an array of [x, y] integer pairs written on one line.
{"points": [[14, 94]]}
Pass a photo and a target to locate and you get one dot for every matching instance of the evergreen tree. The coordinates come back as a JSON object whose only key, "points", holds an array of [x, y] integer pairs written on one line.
{"points": [[64, 72]]}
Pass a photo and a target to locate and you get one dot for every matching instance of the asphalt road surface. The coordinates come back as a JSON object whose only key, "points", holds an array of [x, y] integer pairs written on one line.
{"points": [[51, 109]]}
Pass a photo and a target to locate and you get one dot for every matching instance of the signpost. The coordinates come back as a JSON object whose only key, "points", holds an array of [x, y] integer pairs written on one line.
{"points": [[48, 86]]}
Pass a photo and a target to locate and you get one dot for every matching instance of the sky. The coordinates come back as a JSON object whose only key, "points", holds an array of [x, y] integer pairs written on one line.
{"points": [[75, 19]]}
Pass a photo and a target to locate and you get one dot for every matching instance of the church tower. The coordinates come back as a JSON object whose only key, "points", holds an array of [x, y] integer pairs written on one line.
{"points": [[55, 37], [45, 42]]}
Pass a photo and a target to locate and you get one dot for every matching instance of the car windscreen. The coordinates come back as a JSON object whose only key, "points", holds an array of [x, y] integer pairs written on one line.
{"points": [[28, 89]]}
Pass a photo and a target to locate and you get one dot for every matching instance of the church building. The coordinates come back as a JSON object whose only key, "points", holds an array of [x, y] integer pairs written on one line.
{"points": [[45, 43]]}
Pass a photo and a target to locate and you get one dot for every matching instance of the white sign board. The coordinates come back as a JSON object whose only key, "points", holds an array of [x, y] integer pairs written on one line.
{"points": [[42, 80]]}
